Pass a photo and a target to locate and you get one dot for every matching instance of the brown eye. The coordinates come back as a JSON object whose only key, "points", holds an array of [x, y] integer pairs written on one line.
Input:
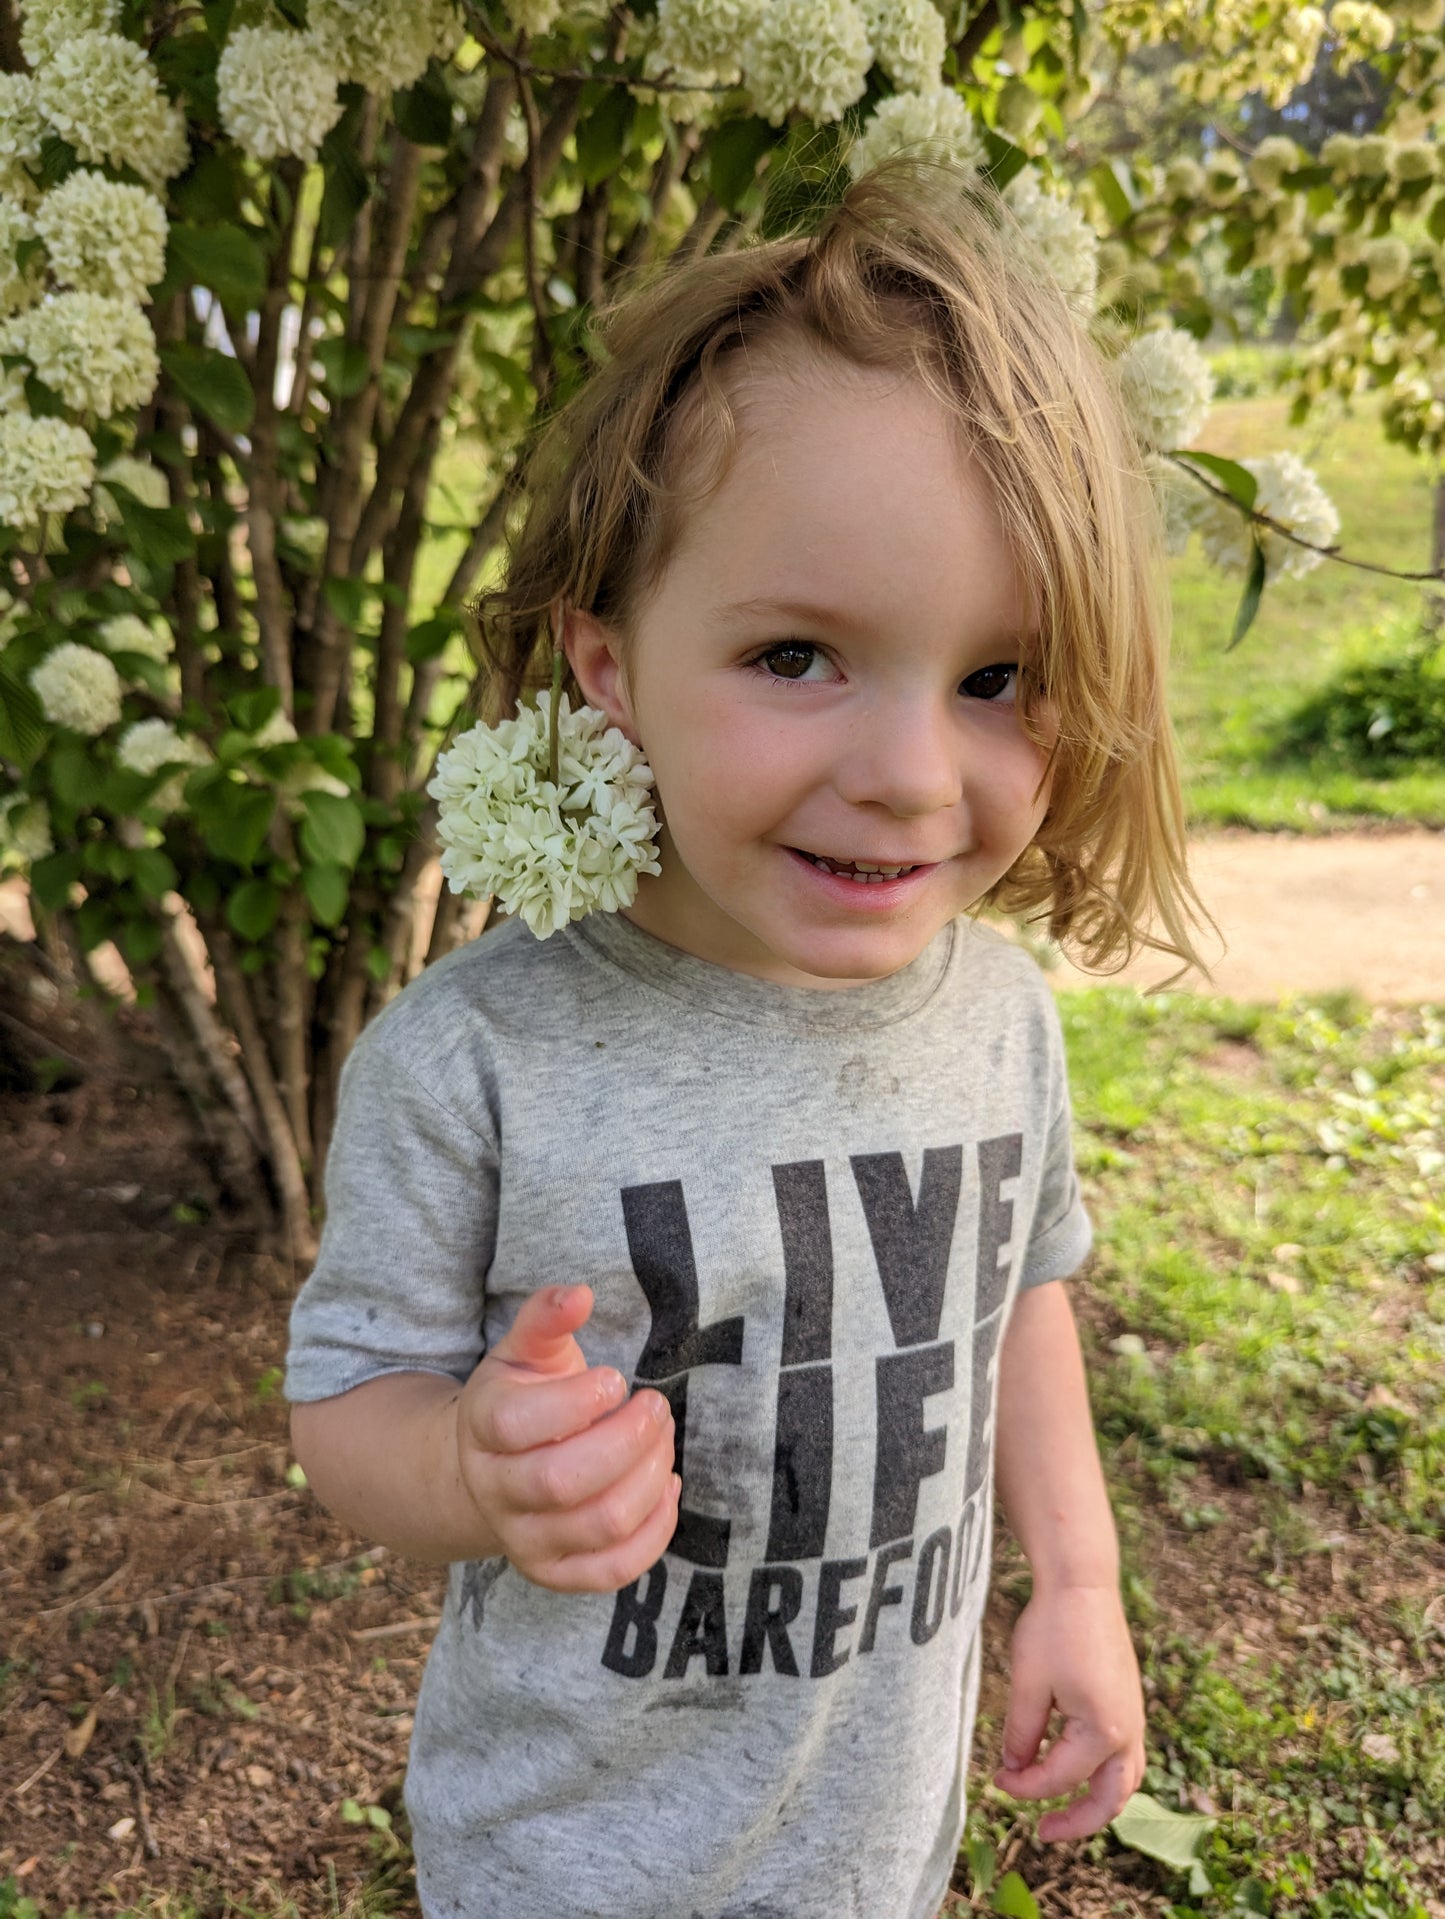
{"points": [[789, 661], [996, 683]]}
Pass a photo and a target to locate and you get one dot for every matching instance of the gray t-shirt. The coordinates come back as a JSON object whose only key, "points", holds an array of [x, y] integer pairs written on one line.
{"points": [[805, 1216]]}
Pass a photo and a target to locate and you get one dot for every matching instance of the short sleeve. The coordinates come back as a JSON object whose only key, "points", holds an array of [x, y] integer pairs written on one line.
{"points": [[1062, 1233], [411, 1204]]}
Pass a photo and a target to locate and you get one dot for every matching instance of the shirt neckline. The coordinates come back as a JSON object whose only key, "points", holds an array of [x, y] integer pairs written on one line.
{"points": [[706, 987]]}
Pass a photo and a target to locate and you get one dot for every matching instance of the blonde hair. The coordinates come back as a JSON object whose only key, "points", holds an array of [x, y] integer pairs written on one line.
{"points": [[909, 273]]}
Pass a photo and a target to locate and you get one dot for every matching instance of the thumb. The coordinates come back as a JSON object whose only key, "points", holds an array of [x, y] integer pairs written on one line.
{"points": [[540, 1339], [1029, 1705]]}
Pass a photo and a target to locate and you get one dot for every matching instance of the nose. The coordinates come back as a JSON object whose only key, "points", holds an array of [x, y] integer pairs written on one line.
{"points": [[904, 755]]}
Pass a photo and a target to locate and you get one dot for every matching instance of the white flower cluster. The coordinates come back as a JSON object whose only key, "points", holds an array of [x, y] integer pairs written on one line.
{"points": [[703, 38], [1059, 236], [24, 830], [1166, 387], [98, 353], [381, 45], [812, 55], [550, 852], [19, 287], [101, 93], [149, 745], [129, 633], [77, 687], [103, 237], [907, 37], [1178, 498], [46, 466], [22, 128], [46, 25], [936, 125], [277, 91], [1358, 29], [1289, 493]]}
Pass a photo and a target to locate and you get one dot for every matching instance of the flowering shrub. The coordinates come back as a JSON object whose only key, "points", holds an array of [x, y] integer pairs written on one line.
{"points": [[281, 290]]}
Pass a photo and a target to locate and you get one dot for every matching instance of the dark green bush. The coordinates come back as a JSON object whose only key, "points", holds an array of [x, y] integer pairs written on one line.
{"points": [[1375, 715]]}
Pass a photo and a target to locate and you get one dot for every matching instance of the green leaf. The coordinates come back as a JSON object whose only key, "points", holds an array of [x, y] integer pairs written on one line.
{"points": [[326, 889], [348, 185], [733, 157], [22, 722], [1013, 1898], [212, 382], [58, 160], [1106, 182], [428, 639], [1240, 484], [602, 135], [1435, 220], [424, 112], [51, 880], [347, 599], [234, 820], [344, 364], [1250, 598], [225, 259], [1173, 1838], [1005, 160], [154, 871], [157, 535], [187, 64], [333, 830], [251, 710], [378, 964], [140, 941], [252, 908], [982, 1865], [75, 776]]}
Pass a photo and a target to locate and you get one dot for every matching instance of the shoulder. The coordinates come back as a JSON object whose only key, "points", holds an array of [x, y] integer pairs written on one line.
{"points": [[441, 1029], [985, 961]]}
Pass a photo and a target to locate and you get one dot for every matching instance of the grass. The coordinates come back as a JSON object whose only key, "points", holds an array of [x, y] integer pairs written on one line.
{"points": [[1229, 706], [1271, 1264]]}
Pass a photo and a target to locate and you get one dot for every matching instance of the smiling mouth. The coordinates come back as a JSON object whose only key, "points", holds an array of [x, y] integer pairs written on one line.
{"points": [[865, 872]]}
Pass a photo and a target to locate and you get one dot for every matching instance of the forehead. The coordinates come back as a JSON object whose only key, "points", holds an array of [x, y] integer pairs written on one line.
{"points": [[851, 479]]}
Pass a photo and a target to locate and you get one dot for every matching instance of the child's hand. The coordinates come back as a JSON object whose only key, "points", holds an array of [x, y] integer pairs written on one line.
{"points": [[1071, 1650], [572, 1477]]}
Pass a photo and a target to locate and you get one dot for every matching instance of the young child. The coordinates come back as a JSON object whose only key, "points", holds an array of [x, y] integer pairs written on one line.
{"points": [[689, 1275]]}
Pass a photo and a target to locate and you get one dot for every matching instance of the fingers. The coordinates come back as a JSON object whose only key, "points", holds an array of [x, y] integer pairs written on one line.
{"points": [[517, 1412], [571, 1472], [613, 1567], [540, 1339], [1026, 1721], [1075, 1756]]}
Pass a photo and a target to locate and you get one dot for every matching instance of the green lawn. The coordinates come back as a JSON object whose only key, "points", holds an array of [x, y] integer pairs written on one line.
{"points": [[1225, 703]]}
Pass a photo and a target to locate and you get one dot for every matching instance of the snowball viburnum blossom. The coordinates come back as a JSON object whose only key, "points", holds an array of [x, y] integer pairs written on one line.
{"points": [[812, 55], [129, 633], [151, 744], [46, 25], [101, 93], [705, 36], [77, 687], [547, 851], [97, 353], [103, 237], [46, 466], [382, 46], [907, 37], [25, 830], [19, 287], [1166, 386], [1061, 237], [277, 91], [1287, 492], [22, 128], [921, 126]]}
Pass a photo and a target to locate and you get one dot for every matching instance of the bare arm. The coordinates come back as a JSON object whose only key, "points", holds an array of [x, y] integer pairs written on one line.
{"points": [[1072, 1653], [1050, 1482]]}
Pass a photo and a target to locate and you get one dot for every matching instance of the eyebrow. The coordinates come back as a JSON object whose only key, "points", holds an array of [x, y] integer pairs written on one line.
{"points": [[808, 611]]}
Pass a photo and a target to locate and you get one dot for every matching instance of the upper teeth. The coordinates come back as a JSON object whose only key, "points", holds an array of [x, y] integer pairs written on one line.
{"points": [[858, 869]]}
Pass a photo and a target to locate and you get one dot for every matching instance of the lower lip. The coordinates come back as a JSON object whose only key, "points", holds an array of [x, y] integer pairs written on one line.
{"points": [[866, 896]]}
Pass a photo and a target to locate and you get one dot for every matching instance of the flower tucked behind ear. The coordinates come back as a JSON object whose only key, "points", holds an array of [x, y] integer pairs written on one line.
{"points": [[548, 850]]}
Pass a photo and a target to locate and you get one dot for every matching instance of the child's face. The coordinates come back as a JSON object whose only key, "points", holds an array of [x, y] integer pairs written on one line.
{"points": [[826, 670]]}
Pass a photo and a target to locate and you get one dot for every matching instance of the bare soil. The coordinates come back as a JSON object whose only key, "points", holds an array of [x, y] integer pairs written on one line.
{"points": [[1361, 912]]}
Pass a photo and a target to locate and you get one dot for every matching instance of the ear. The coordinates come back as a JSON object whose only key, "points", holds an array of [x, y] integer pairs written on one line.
{"points": [[594, 653]]}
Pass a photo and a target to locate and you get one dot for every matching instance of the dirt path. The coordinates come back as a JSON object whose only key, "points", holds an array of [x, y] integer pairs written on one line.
{"points": [[1360, 910]]}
